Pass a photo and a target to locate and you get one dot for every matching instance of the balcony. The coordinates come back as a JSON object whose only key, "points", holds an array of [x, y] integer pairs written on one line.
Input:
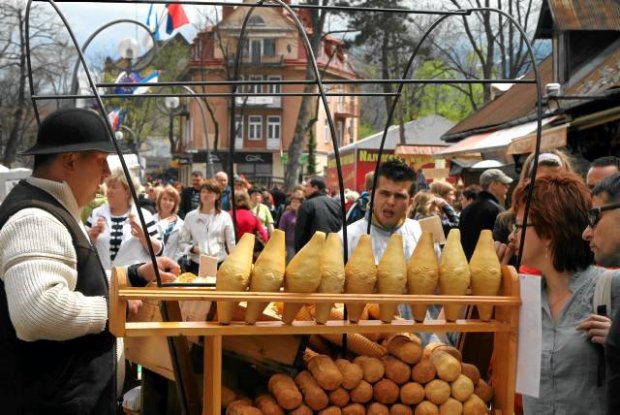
{"points": [[263, 61], [346, 110]]}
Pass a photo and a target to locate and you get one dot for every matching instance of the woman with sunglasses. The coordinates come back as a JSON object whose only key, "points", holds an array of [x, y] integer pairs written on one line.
{"points": [[570, 381]]}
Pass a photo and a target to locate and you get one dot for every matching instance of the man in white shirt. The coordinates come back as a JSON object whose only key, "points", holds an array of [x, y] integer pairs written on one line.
{"points": [[56, 353]]}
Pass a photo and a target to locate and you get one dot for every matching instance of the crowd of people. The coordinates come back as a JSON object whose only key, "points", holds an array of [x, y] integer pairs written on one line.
{"points": [[63, 229]]}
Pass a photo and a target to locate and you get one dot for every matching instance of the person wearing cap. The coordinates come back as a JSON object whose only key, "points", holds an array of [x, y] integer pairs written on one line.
{"points": [[482, 213], [56, 353]]}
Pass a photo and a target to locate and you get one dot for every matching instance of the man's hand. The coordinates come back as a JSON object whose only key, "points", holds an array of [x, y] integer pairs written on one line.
{"points": [[596, 328], [168, 270]]}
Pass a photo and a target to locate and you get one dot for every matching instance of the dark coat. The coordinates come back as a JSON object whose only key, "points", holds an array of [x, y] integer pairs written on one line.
{"points": [[186, 201], [317, 213], [478, 216]]}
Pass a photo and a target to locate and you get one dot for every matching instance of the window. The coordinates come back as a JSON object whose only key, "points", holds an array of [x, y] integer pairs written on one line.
{"points": [[269, 47], [255, 88], [327, 135], [273, 128], [238, 127], [255, 127], [274, 88], [256, 21]]}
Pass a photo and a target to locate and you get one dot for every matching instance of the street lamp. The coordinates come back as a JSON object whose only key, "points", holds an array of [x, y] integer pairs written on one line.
{"points": [[172, 107]]}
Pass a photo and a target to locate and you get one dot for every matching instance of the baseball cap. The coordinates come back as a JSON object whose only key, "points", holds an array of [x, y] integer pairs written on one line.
{"points": [[494, 175]]}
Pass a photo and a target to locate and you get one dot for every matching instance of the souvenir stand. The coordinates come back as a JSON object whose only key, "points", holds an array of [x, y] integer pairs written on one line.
{"points": [[176, 330]]}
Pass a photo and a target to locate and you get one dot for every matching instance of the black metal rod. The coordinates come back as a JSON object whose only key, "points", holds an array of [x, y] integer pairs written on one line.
{"points": [[311, 81], [215, 94], [291, 6]]}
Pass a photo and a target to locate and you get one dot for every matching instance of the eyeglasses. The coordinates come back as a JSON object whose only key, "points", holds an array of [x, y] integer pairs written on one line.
{"points": [[516, 227], [594, 214]]}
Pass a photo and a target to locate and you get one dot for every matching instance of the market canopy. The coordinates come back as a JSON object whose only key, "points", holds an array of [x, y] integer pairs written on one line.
{"points": [[494, 140]]}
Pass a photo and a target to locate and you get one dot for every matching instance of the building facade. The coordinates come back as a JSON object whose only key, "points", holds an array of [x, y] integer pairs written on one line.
{"points": [[264, 124]]}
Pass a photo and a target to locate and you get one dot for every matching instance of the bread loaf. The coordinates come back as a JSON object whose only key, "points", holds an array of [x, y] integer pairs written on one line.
{"points": [[448, 367], [462, 388], [352, 373], [354, 409], [404, 348], [314, 396], [332, 274], [268, 405], [486, 271], [451, 407], [411, 393], [400, 409], [234, 275], [426, 408], [386, 391], [283, 388], [377, 408], [360, 275], [325, 371], [424, 371], [391, 274], [372, 367], [339, 397], [362, 393], [422, 272], [454, 274], [396, 370], [268, 273]]}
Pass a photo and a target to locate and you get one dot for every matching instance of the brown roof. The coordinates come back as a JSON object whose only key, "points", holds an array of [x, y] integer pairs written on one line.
{"points": [[563, 15], [515, 103]]}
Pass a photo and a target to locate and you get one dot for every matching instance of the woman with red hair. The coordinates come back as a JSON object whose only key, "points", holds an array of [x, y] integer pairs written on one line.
{"points": [[570, 381]]}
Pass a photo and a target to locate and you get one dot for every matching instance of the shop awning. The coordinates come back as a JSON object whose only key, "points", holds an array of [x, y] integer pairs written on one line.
{"points": [[492, 141], [549, 139]]}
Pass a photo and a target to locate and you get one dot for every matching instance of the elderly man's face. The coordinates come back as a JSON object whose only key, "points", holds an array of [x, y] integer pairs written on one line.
{"points": [[222, 179], [604, 237]]}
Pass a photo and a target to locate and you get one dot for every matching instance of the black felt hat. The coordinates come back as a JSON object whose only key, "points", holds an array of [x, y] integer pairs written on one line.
{"points": [[72, 129]]}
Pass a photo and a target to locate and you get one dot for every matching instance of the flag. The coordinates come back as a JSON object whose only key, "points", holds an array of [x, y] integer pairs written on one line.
{"points": [[176, 17], [153, 12], [134, 77], [115, 118], [151, 78]]}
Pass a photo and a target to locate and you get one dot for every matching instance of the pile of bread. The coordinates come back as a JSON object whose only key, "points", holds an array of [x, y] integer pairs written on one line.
{"points": [[408, 380], [319, 268]]}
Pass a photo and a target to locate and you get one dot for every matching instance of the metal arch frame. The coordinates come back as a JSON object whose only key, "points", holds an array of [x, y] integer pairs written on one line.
{"points": [[318, 81], [538, 111], [74, 81]]}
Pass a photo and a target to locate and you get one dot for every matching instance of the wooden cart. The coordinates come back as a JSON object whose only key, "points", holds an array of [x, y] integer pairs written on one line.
{"points": [[504, 327]]}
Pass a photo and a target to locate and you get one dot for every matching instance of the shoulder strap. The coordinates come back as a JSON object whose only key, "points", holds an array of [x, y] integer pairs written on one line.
{"points": [[601, 301]]}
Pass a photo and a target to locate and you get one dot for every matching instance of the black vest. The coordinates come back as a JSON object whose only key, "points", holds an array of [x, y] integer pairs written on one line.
{"points": [[57, 377]]}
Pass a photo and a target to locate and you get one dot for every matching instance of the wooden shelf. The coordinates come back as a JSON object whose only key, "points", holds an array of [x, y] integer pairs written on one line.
{"points": [[505, 325]]}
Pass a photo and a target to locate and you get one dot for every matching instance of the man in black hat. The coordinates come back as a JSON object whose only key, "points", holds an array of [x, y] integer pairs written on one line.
{"points": [[56, 353]]}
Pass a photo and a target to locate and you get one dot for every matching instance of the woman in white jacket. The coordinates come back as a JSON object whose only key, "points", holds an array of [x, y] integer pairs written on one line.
{"points": [[114, 228], [207, 230], [170, 224]]}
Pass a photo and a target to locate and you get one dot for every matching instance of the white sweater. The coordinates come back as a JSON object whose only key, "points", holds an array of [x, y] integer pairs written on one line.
{"points": [[38, 267], [212, 233]]}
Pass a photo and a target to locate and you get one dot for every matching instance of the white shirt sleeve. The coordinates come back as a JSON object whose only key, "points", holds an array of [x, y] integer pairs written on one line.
{"points": [[38, 267]]}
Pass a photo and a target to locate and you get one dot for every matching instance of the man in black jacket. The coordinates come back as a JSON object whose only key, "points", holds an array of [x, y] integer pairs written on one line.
{"points": [[318, 212], [190, 197], [482, 213]]}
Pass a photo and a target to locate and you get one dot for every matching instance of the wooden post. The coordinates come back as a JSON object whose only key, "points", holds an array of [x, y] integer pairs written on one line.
{"points": [[212, 376], [117, 307]]}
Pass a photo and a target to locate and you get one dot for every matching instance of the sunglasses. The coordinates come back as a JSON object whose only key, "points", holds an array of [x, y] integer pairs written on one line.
{"points": [[594, 214]]}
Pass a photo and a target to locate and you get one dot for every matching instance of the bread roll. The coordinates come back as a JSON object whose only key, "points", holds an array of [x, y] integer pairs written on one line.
{"points": [[437, 391], [400, 409], [339, 397], [268, 405], [373, 368], [474, 406], [386, 391], [331, 410], [325, 371], [360, 275], [396, 370], [314, 396], [471, 371], [462, 388], [422, 272], [451, 407], [484, 391], [486, 271], [404, 348], [283, 388], [448, 368], [377, 408], [391, 274], [454, 274], [301, 410], [411, 393], [424, 371], [426, 408], [352, 373], [332, 274], [362, 393], [354, 409]]}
